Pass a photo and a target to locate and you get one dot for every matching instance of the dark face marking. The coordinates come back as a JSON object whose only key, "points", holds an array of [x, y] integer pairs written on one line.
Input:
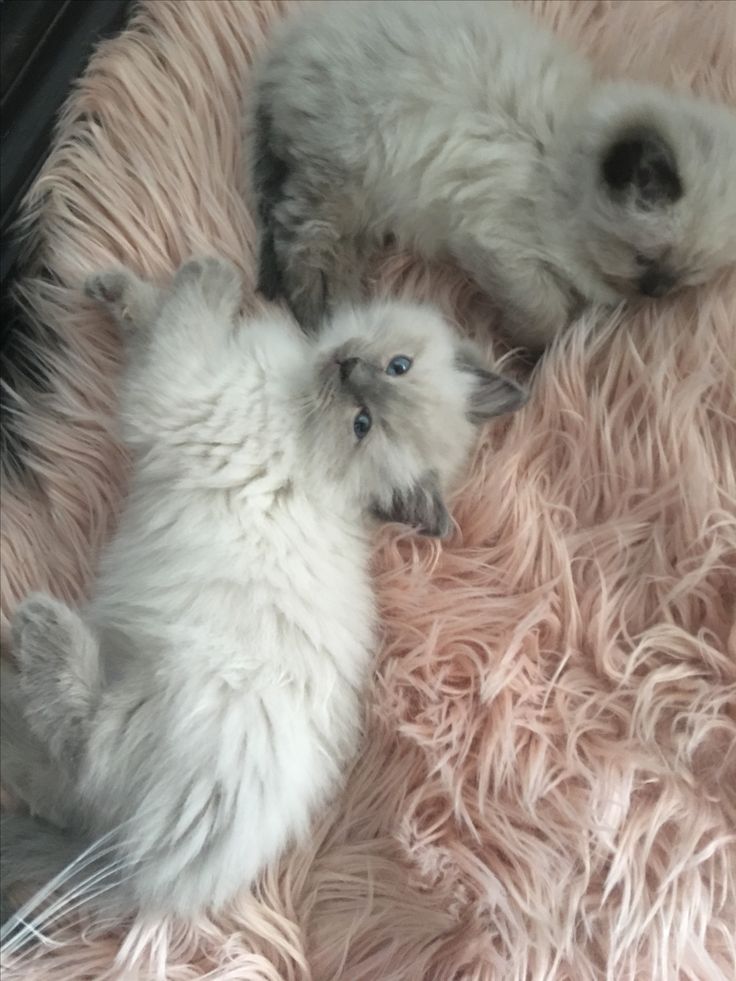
{"points": [[365, 385], [346, 368], [642, 162]]}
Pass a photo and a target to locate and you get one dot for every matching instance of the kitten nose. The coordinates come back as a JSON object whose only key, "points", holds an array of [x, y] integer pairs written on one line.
{"points": [[656, 282], [346, 368]]}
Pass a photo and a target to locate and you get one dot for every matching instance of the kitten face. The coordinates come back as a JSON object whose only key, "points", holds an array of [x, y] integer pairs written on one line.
{"points": [[640, 180], [652, 184], [391, 410]]}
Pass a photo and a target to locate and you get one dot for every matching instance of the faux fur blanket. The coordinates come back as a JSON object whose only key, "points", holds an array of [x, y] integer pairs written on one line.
{"points": [[547, 788]]}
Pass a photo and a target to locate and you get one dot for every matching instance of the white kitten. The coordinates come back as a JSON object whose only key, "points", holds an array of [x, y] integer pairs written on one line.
{"points": [[467, 130], [208, 698]]}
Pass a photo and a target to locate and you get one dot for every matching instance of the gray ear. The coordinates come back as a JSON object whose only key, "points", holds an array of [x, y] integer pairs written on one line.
{"points": [[420, 506], [492, 394]]}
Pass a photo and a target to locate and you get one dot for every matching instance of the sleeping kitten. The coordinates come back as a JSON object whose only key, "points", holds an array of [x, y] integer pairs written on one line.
{"points": [[466, 130], [192, 717]]}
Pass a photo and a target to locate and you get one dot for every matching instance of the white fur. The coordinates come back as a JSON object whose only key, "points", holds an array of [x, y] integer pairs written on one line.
{"points": [[242, 614], [233, 611]]}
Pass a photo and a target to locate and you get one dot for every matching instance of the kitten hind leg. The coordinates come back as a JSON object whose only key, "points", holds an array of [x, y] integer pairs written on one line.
{"points": [[26, 769], [533, 303], [59, 674]]}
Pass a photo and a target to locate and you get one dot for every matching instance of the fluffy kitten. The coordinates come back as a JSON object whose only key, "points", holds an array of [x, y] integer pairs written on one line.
{"points": [[464, 129], [195, 713]]}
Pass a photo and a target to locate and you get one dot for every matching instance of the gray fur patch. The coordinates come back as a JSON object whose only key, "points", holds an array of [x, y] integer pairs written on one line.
{"points": [[420, 507], [270, 173], [642, 161], [492, 394]]}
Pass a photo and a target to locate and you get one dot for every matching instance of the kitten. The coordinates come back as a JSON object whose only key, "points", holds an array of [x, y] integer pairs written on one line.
{"points": [[467, 130], [192, 717]]}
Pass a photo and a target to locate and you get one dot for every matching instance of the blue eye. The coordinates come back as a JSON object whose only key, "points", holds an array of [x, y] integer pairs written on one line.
{"points": [[362, 423], [398, 365]]}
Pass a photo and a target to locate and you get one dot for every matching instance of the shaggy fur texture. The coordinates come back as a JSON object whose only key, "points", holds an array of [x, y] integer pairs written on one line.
{"points": [[207, 701], [548, 788], [466, 130]]}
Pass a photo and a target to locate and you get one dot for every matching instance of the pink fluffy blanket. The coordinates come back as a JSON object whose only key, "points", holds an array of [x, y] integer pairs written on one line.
{"points": [[547, 788]]}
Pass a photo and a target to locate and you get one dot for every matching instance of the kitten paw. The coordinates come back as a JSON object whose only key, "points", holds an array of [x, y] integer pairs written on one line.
{"points": [[113, 289], [107, 287], [133, 303], [58, 673], [218, 280], [43, 630]]}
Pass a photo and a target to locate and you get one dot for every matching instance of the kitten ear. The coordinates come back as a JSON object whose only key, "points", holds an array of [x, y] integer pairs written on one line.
{"points": [[419, 506], [642, 160], [492, 394]]}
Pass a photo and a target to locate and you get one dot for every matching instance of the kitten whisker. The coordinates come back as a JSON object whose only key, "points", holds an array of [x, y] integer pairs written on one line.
{"points": [[80, 895], [92, 854]]}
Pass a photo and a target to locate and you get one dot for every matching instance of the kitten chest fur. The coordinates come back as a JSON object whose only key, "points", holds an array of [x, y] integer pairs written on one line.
{"points": [[237, 628]]}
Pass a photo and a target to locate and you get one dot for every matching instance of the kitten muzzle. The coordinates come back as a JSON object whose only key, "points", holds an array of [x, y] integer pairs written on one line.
{"points": [[657, 282]]}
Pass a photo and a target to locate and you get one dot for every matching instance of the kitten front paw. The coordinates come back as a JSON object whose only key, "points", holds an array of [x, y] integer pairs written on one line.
{"points": [[113, 289], [218, 280]]}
